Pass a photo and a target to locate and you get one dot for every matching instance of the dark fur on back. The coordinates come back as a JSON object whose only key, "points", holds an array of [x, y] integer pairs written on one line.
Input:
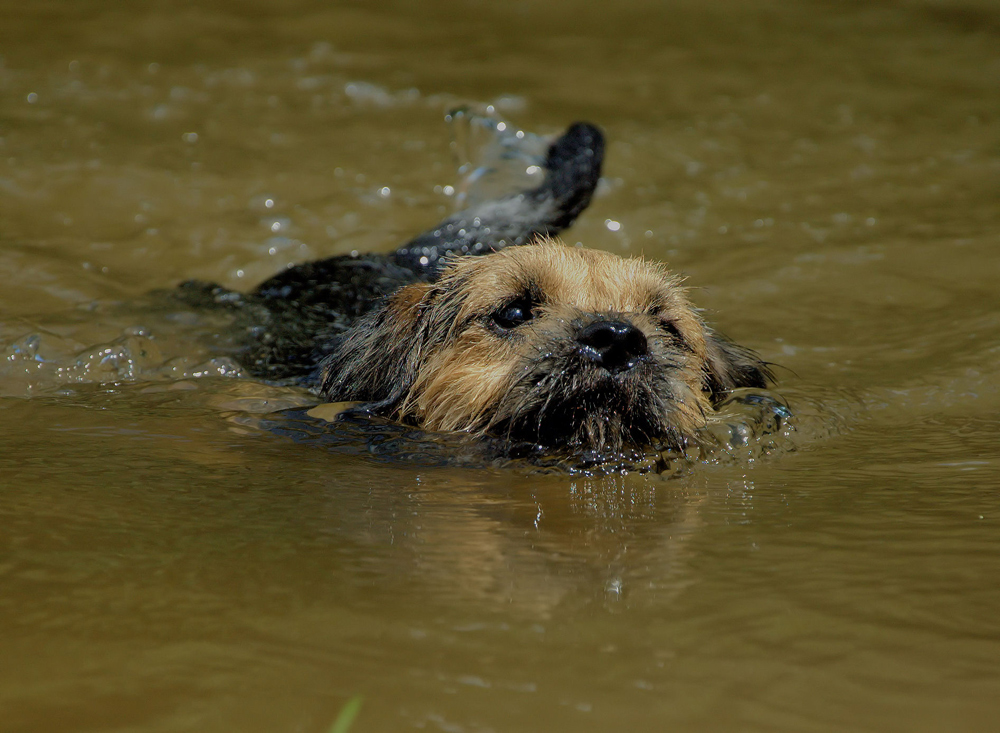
{"points": [[294, 319]]}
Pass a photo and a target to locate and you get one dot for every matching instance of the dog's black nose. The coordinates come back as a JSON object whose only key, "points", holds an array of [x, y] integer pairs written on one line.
{"points": [[614, 345]]}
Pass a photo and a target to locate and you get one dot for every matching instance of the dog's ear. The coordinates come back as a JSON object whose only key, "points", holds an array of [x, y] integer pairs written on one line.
{"points": [[377, 360], [729, 366]]}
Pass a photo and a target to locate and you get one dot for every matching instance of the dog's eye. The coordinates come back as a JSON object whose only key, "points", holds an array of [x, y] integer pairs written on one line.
{"points": [[514, 314]]}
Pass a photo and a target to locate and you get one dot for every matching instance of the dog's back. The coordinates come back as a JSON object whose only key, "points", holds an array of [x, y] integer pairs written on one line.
{"points": [[292, 321]]}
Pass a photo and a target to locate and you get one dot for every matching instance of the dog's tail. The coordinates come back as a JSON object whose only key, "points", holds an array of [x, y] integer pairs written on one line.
{"points": [[292, 321], [572, 170]]}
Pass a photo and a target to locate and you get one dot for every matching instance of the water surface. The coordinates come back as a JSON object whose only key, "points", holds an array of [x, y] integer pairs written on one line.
{"points": [[825, 173]]}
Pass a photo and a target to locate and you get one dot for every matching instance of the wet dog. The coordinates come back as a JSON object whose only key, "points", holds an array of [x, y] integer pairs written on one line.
{"points": [[543, 344], [293, 320], [488, 326]]}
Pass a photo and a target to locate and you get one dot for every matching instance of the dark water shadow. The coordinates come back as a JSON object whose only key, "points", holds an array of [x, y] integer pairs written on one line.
{"points": [[750, 425]]}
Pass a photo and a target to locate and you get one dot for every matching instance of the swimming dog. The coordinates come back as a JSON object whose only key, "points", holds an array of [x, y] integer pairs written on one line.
{"points": [[487, 325]]}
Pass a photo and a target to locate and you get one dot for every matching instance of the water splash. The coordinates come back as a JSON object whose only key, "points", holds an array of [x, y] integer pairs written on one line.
{"points": [[494, 157], [48, 359]]}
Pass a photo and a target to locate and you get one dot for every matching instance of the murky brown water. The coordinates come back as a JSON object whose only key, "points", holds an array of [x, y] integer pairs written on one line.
{"points": [[826, 173]]}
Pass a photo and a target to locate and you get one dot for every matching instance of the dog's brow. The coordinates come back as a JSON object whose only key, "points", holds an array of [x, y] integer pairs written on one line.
{"points": [[658, 300], [626, 287], [523, 285]]}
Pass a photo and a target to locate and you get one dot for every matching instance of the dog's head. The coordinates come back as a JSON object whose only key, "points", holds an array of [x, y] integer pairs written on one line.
{"points": [[554, 345]]}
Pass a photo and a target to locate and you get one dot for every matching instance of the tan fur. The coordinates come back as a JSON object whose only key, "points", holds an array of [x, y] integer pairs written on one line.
{"points": [[457, 371]]}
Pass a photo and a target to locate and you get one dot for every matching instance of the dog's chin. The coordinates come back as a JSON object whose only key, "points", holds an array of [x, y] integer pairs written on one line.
{"points": [[588, 409]]}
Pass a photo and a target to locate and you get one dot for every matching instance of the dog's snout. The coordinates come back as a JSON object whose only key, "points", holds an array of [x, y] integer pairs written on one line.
{"points": [[614, 345]]}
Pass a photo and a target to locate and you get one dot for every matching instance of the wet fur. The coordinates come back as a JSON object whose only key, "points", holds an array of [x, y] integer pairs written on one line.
{"points": [[431, 355], [293, 320], [410, 334]]}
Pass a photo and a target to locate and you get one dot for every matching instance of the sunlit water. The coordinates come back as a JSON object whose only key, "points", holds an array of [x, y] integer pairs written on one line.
{"points": [[182, 549]]}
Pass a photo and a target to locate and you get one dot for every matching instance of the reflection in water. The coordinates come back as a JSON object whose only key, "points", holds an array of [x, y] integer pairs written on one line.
{"points": [[612, 541]]}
